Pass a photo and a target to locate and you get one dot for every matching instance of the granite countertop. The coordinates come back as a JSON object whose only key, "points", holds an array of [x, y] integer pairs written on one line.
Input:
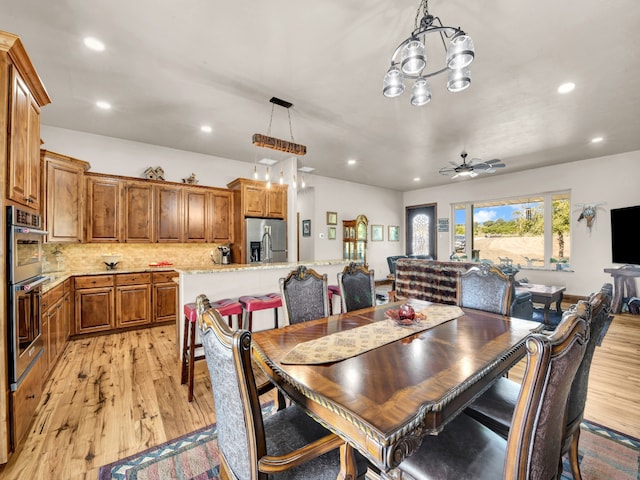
{"points": [[58, 277]]}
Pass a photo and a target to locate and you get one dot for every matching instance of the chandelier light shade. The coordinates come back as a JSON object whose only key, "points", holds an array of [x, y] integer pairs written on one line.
{"points": [[409, 60]]}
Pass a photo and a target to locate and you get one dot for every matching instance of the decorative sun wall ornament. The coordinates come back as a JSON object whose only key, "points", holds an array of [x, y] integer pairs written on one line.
{"points": [[588, 213]]}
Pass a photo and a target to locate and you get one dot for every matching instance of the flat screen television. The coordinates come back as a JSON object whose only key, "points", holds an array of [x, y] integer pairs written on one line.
{"points": [[625, 247]]}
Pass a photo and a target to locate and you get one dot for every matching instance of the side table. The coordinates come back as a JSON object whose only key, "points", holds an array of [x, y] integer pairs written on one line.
{"points": [[623, 280]]}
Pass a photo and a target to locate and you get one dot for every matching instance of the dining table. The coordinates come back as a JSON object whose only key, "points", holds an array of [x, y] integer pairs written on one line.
{"points": [[384, 398]]}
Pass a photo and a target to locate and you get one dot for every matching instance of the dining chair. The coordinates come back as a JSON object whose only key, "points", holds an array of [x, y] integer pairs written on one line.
{"points": [[468, 449], [495, 407], [357, 287], [486, 288], [304, 295], [287, 444]]}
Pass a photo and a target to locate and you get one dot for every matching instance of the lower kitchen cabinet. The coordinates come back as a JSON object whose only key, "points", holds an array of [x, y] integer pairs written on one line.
{"points": [[133, 299], [94, 308], [165, 294], [55, 323], [25, 400]]}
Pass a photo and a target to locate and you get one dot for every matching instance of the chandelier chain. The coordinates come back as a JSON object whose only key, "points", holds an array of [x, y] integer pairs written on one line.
{"points": [[273, 105]]}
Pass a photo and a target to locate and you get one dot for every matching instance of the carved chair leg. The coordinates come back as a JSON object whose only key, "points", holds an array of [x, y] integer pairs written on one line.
{"points": [[573, 456], [348, 468]]}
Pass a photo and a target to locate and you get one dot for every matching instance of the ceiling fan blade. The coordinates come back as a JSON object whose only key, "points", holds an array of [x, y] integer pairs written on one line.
{"points": [[473, 174], [498, 165], [482, 166], [475, 161], [456, 175], [446, 171], [493, 161]]}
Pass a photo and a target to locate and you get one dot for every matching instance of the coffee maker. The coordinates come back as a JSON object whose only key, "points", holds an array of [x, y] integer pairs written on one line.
{"points": [[225, 255]]}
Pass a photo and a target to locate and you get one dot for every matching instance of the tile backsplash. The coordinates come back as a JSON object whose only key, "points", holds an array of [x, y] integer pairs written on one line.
{"points": [[88, 256]]}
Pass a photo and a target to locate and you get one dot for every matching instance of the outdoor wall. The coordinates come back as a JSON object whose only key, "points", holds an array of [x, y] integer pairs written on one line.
{"points": [[610, 181]]}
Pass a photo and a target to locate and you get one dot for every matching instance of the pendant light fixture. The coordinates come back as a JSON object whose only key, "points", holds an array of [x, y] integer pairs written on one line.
{"points": [[409, 60]]}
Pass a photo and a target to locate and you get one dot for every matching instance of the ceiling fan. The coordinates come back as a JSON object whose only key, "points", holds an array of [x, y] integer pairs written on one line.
{"points": [[471, 169]]}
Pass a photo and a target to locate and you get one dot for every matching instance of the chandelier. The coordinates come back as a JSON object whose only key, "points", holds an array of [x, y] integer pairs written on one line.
{"points": [[267, 141], [409, 60]]}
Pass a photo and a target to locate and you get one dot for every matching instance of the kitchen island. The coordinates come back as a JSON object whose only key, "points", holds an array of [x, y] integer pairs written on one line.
{"points": [[232, 281]]}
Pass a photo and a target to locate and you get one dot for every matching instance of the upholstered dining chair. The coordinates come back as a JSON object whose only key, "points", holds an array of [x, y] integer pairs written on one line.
{"points": [[305, 295], [357, 287], [486, 288], [495, 407], [468, 449], [287, 444]]}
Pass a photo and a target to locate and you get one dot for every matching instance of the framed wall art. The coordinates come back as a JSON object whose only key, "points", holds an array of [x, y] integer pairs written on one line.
{"points": [[377, 233], [306, 228], [332, 218], [393, 234], [331, 234]]}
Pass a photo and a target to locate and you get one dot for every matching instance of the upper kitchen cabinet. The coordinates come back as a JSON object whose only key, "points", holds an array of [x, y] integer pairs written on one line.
{"points": [[22, 94], [138, 212], [169, 217], [63, 197], [221, 219], [103, 216], [256, 199], [208, 215]]}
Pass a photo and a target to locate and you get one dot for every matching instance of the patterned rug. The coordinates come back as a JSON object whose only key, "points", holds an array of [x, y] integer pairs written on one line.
{"points": [[604, 454]]}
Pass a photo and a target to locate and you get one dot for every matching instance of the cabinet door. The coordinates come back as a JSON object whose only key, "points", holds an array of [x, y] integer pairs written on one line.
{"points": [[94, 309], [103, 211], [56, 331], [25, 400], [196, 211], [20, 147], [255, 201], [133, 305], [169, 214], [64, 202], [164, 302], [276, 202], [138, 213], [221, 217]]}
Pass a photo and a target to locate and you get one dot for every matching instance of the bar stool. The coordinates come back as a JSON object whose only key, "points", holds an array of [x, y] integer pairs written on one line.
{"points": [[254, 303], [226, 307], [333, 290]]}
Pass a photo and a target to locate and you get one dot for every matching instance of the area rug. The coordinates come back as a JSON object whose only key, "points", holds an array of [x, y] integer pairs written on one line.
{"points": [[604, 454]]}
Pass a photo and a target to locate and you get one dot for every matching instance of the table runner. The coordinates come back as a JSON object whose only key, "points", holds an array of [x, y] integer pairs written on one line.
{"points": [[349, 343]]}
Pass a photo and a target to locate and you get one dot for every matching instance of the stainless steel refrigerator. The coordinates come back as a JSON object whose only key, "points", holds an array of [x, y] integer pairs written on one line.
{"points": [[266, 240]]}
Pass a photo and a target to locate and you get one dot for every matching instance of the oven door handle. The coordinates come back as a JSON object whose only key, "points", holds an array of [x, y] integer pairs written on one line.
{"points": [[27, 286], [29, 230]]}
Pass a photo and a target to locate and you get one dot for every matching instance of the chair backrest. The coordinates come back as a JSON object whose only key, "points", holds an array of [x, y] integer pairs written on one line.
{"points": [[535, 437], [357, 287], [305, 295], [391, 261], [599, 309], [241, 438], [485, 287]]}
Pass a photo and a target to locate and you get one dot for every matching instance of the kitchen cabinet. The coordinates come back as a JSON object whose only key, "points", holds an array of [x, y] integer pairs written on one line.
{"points": [[94, 307], [208, 215], [25, 400], [169, 216], [138, 212], [64, 197], [103, 209], [55, 325], [165, 295], [133, 299], [255, 199]]}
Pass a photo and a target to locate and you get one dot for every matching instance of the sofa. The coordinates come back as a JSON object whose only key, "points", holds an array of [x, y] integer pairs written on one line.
{"points": [[437, 281]]}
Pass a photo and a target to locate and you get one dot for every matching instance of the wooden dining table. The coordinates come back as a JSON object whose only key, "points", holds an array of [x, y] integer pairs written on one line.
{"points": [[384, 401]]}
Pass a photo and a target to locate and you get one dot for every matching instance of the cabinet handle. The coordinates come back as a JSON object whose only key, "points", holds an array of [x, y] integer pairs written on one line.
{"points": [[30, 397]]}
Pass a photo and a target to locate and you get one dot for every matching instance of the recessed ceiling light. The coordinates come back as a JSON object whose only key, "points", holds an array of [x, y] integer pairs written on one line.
{"points": [[103, 105], [416, 179], [206, 128], [597, 139], [351, 161], [94, 44], [566, 87], [267, 161], [306, 169]]}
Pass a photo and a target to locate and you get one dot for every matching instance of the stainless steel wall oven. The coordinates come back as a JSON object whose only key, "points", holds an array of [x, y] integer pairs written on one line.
{"points": [[25, 281]]}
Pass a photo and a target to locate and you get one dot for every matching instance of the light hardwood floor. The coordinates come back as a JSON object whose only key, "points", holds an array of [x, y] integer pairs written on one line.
{"points": [[115, 395]]}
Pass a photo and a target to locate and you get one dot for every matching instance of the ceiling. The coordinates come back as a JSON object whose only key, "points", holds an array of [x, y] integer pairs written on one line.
{"points": [[170, 67]]}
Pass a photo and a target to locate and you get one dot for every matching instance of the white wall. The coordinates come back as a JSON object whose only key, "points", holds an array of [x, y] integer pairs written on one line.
{"points": [[612, 181]]}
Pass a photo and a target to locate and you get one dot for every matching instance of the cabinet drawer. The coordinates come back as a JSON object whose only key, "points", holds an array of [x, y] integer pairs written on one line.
{"points": [[162, 277], [54, 294], [25, 400], [92, 281], [133, 278]]}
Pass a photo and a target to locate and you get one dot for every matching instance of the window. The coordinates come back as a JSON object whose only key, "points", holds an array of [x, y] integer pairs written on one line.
{"points": [[532, 232]]}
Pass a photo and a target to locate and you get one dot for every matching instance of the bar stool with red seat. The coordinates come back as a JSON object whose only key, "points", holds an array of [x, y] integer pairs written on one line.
{"points": [[333, 290], [226, 307], [254, 303]]}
